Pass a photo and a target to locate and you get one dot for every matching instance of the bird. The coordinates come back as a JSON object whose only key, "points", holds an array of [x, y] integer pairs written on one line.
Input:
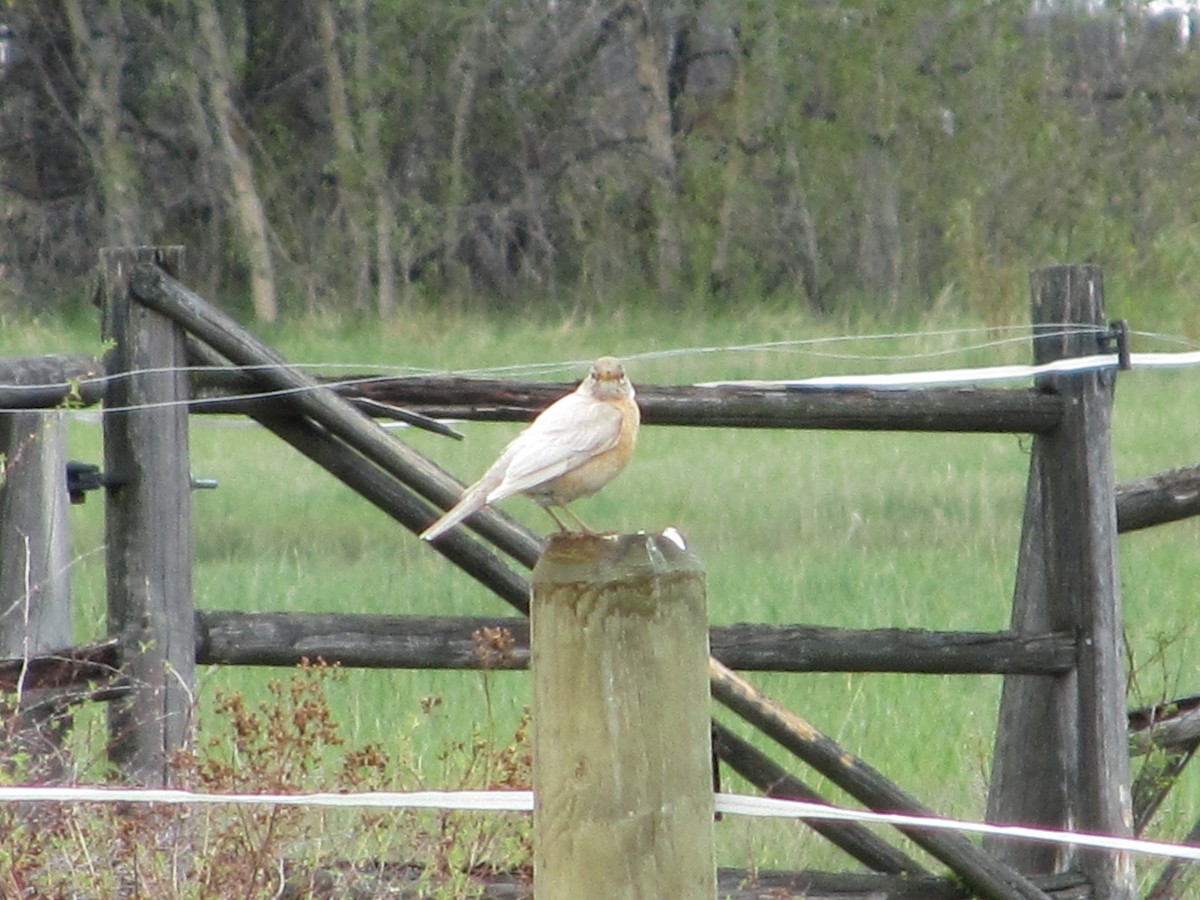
{"points": [[574, 448]]}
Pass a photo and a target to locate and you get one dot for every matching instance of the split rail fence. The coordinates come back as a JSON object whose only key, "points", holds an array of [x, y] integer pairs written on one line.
{"points": [[1062, 658]]}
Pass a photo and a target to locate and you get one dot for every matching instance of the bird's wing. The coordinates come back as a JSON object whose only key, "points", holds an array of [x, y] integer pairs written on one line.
{"points": [[565, 436]]}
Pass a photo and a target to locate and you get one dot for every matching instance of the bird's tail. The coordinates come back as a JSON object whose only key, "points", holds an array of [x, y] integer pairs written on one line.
{"points": [[472, 501]]}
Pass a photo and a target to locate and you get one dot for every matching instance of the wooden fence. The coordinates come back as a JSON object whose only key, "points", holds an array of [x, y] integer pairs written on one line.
{"points": [[1062, 657]]}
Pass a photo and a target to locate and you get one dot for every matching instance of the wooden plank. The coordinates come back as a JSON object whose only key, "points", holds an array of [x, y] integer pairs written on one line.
{"points": [[48, 382], [622, 778], [1157, 499], [147, 522], [984, 875], [381, 878], [160, 291], [35, 606], [1067, 579], [62, 668], [1172, 727], [35, 586], [445, 642], [385, 642], [808, 648], [925, 409], [1025, 789], [385, 492], [774, 781]]}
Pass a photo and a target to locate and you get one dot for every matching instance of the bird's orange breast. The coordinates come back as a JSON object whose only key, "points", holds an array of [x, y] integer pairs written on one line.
{"points": [[589, 477]]}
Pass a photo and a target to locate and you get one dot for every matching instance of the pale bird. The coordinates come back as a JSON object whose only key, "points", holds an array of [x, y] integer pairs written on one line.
{"points": [[574, 448]]}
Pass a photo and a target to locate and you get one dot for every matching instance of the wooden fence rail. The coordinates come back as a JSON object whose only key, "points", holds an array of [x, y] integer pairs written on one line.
{"points": [[50, 382], [447, 642], [979, 410]]}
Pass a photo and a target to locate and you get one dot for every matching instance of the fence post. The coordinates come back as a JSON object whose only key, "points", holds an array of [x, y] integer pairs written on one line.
{"points": [[35, 604], [622, 766], [1062, 756], [147, 520]]}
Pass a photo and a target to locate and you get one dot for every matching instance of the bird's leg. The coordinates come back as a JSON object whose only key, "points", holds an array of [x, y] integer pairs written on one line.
{"points": [[557, 521], [578, 521]]}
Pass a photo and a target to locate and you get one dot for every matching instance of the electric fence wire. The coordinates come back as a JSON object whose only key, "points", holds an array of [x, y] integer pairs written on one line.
{"points": [[809, 347], [523, 801]]}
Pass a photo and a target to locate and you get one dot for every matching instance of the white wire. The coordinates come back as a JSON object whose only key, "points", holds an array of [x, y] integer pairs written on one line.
{"points": [[484, 801], [522, 801], [1165, 338], [966, 377], [942, 377], [793, 345], [770, 807], [1164, 360]]}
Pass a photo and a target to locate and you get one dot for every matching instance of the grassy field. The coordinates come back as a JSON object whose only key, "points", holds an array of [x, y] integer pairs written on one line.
{"points": [[829, 528]]}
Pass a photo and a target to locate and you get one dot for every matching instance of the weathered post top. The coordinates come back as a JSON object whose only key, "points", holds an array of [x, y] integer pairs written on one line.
{"points": [[622, 778], [572, 556]]}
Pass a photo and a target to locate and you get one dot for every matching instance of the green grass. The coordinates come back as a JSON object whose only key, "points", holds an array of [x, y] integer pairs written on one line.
{"points": [[831, 528]]}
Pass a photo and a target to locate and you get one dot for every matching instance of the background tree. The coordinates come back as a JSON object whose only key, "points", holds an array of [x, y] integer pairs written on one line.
{"points": [[216, 71], [360, 156]]}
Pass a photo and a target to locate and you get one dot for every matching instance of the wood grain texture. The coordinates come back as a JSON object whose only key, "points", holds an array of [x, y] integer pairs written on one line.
{"points": [[147, 521], [622, 779], [1067, 580]]}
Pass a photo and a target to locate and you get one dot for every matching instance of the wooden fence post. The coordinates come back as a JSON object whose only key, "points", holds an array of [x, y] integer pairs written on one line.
{"points": [[147, 521], [35, 604], [1062, 757], [622, 779]]}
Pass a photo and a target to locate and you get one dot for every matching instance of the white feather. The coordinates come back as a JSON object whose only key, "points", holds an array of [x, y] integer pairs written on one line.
{"points": [[565, 436]]}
